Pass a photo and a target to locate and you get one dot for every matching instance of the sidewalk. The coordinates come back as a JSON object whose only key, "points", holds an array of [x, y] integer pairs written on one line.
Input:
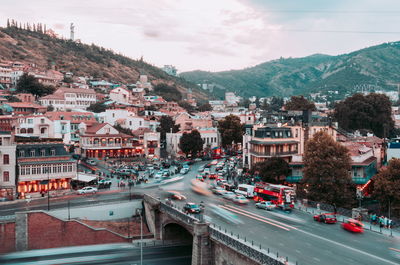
{"points": [[394, 232]]}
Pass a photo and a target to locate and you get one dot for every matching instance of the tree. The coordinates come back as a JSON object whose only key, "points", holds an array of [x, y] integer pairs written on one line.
{"points": [[274, 105], [50, 108], [326, 172], [299, 103], [28, 83], [245, 102], [272, 170], [205, 107], [123, 130], [97, 107], [231, 130], [191, 143], [386, 185], [167, 124], [169, 93], [186, 105], [372, 111]]}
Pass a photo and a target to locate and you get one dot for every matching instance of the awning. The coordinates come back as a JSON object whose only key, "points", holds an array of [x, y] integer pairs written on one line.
{"points": [[84, 177]]}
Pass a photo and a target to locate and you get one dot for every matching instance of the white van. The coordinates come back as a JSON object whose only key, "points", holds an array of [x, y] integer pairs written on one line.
{"points": [[245, 190]]}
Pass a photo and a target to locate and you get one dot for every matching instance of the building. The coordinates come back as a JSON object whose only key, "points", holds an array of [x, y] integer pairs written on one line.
{"points": [[102, 140], [189, 122], [43, 165], [34, 125], [66, 98], [211, 139], [49, 78], [170, 69], [276, 140], [231, 99], [121, 95], [26, 108], [25, 97], [7, 166], [151, 144], [71, 118], [7, 123], [5, 75]]}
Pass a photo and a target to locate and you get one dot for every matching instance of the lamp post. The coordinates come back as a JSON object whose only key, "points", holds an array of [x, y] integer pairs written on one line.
{"points": [[139, 212], [48, 188]]}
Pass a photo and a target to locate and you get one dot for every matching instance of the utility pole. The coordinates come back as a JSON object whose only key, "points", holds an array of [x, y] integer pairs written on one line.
{"points": [[72, 31], [48, 188]]}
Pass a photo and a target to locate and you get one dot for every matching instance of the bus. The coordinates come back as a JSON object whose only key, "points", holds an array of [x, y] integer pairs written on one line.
{"points": [[280, 195]]}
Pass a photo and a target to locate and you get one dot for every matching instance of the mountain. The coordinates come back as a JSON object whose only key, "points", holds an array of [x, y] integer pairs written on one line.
{"points": [[376, 67], [82, 59]]}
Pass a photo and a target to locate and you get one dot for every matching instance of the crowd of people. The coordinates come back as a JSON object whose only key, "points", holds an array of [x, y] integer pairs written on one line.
{"points": [[382, 221]]}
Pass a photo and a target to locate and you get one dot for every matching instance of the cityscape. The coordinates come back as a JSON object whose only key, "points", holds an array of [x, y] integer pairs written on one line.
{"points": [[129, 155]]}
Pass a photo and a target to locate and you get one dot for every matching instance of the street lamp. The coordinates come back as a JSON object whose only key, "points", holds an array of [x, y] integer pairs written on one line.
{"points": [[140, 212]]}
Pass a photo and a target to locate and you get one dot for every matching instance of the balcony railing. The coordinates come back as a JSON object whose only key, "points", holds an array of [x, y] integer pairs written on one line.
{"points": [[119, 145], [360, 180], [256, 153], [294, 179]]}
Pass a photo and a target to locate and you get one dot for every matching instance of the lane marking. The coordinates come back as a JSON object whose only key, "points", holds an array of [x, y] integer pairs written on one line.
{"points": [[263, 217], [255, 218], [395, 249], [310, 234]]}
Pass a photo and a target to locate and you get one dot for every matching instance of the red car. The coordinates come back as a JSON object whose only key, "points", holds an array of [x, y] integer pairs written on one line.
{"points": [[353, 225], [212, 176], [327, 218]]}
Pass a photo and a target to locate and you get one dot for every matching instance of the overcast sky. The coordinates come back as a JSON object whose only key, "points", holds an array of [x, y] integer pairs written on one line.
{"points": [[216, 35]]}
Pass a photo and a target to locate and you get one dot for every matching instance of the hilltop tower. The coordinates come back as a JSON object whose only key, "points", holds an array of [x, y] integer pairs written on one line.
{"points": [[72, 31]]}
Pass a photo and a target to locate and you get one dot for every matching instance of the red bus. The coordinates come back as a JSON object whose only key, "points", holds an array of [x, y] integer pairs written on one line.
{"points": [[280, 195]]}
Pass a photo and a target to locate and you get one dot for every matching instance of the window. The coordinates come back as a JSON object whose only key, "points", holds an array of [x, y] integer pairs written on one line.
{"points": [[43, 152], [30, 130], [32, 153], [42, 121], [30, 121], [22, 170], [34, 170], [6, 159], [53, 152], [6, 176], [42, 130], [1, 141], [28, 170], [21, 153]]}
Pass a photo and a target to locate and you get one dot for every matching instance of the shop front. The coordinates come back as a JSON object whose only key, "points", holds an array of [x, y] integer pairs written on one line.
{"points": [[40, 187]]}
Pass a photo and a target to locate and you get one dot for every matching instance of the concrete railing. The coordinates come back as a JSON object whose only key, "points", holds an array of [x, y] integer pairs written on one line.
{"points": [[247, 248]]}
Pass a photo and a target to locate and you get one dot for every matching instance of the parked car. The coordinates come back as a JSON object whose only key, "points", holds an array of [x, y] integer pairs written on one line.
{"points": [[353, 226], [327, 218], [191, 208], [212, 176], [184, 171], [87, 190], [105, 181], [267, 205], [201, 169]]}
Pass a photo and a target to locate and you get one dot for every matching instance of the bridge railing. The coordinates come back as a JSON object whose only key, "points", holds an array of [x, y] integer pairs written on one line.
{"points": [[178, 213], [247, 248]]}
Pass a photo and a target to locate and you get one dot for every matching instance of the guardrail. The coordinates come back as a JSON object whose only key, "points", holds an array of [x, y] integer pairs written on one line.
{"points": [[247, 248]]}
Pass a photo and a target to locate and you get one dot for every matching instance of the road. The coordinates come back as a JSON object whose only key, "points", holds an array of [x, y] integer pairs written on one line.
{"points": [[295, 235]]}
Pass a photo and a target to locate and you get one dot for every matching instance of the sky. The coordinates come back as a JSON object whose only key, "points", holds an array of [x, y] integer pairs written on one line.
{"points": [[216, 35]]}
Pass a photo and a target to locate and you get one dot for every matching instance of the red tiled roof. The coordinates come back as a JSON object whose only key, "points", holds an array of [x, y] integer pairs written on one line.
{"points": [[24, 105], [94, 128]]}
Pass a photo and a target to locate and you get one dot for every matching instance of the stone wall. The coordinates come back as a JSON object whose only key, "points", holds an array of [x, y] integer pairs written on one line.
{"points": [[224, 255], [7, 236]]}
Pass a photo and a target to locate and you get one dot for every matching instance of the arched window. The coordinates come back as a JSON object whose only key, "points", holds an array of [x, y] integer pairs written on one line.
{"points": [[30, 130], [23, 130], [43, 130]]}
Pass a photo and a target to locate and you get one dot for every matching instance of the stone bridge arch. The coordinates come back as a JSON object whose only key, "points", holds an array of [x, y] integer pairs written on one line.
{"points": [[175, 231]]}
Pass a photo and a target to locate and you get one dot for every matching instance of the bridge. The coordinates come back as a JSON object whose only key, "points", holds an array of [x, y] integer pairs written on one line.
{"points": [[210, 244]]}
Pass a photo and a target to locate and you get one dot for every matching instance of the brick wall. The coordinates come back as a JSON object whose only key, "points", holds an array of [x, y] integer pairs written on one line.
{"points": [[45, 231], [7, 237]]}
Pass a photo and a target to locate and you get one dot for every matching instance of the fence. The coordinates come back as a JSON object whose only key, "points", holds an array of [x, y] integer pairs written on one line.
{"points": [[246, 247]]}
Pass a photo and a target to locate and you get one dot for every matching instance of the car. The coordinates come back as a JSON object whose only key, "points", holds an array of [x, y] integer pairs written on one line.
{"points": [[197, 159], [175, 195], [240, 199], [212, 176], [225, 214], [218, 191], [201, 169], [327, 218], [229, 195], [87, 190], [267, 205], [353, 226], [91, 162], [200, 178], [207, 170], [105, 181], [191, 207], [184, 171]]}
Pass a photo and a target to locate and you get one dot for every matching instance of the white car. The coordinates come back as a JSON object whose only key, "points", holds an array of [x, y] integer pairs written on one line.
{"points": [[219, 191], [240, 199], [267, 205], [229, 195], [87, 190], [184, 171], [91, 162]]}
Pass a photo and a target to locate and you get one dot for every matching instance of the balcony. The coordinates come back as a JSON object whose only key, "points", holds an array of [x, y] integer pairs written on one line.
{"points": [[107, 146], [269, 154], [360, 180]]}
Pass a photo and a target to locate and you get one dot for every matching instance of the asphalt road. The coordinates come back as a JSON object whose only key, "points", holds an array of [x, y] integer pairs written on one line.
{"points": [[295, 235]]}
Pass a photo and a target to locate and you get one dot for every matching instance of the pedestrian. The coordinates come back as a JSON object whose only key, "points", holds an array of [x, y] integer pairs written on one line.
{"points": [[381, 221], [373, 219], [386, 222], [390, 223], [318, 207], [334, 208]]}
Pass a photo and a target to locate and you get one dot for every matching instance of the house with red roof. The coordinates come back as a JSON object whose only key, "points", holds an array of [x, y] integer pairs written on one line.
{"points": [[101, 140]]}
